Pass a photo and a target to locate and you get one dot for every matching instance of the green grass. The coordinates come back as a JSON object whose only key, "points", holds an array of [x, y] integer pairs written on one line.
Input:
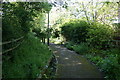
{"points": [[27, 60]]}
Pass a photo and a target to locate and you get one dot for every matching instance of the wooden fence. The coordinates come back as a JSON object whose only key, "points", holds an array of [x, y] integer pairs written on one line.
{"points": [[9, 42]]}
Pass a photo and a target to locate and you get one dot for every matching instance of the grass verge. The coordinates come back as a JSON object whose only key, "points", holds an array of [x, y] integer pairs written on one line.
{"points": [[27, 61]]}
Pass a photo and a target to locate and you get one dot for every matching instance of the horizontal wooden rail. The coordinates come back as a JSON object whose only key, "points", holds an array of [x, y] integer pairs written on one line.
{"points": [[7, 42], [11, 49]]}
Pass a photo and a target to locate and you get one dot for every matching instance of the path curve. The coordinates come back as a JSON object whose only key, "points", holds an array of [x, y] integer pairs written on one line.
{"points": [[72, 65]]}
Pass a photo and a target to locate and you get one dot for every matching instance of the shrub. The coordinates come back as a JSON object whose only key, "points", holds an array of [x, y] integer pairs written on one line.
{"points": [[69, 45], [111, 67], [75, 30], [100, 35], [116, 51], [108, 65], [97, 60], [81, 48]]}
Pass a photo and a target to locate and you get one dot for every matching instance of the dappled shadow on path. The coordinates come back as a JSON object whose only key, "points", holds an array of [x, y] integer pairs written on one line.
{"points": [[72, 65]]}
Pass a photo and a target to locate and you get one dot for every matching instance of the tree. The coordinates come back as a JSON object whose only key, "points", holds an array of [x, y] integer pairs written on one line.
{"points": [[17, 17]]}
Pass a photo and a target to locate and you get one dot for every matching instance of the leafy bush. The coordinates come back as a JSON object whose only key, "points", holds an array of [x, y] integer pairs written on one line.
{"points": [[75, 30], [97, 35], [111, 67], [108, 65], [27, 61], [100, 35], [96, 59], [117, 52], [69, 45], [81, 48]]}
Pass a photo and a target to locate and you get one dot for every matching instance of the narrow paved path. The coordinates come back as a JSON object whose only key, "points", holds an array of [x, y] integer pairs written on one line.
{"points": [[72, 65]]}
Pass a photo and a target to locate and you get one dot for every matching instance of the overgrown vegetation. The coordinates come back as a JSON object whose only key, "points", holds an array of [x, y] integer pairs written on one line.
{"points": [[18, 18], [50, 72], [92, 36], [28, 60], [75, 30], [100, 35], [95, 42]]}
